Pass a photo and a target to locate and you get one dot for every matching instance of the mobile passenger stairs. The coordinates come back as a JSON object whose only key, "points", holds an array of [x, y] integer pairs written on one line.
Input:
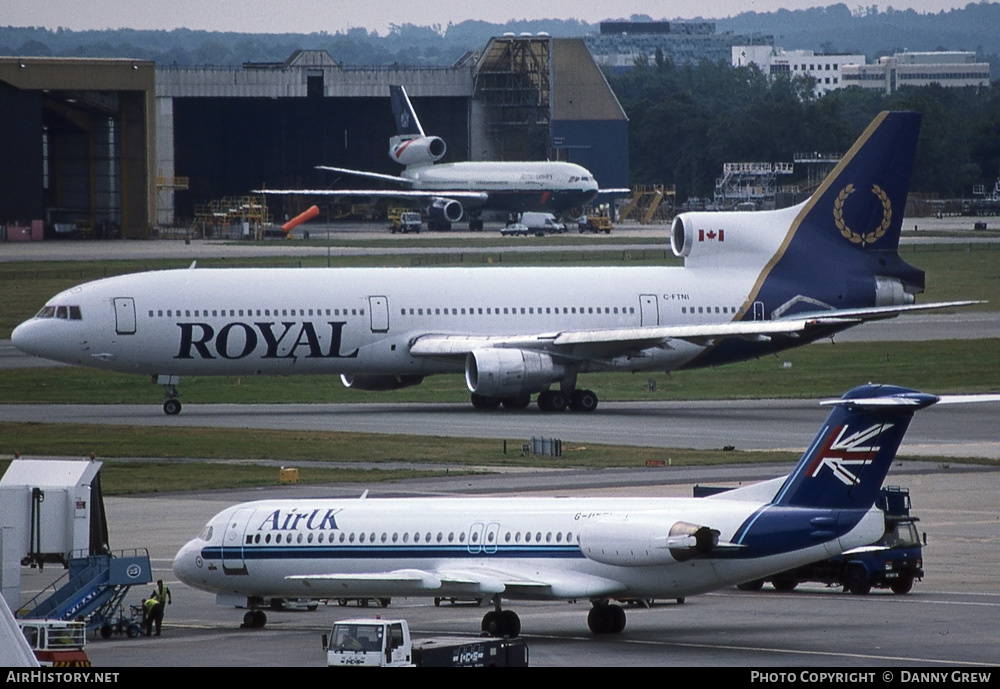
{"points": [[52, 512], [94, 590]]}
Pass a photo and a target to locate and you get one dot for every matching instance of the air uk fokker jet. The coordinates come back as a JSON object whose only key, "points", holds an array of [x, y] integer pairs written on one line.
{"points": [[450, 191], [752, 283], [597, 549]]}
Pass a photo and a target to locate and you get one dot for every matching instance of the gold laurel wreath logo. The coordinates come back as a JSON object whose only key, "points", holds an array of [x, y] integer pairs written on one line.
{"points": [[847, 232]]}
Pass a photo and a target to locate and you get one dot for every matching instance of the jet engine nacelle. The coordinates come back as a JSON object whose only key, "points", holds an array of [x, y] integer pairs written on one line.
{"points": [[682, 236], [445, 210], [891, 292], [643, 541], [419, 151], [510, 372], [380, 382]]}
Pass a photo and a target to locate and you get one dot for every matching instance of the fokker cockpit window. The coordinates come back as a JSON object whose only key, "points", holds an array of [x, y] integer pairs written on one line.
{"points": [[71, 313]]}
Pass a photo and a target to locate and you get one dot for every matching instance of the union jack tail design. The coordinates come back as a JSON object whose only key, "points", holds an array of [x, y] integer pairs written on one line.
{"points": [[847, 462]]}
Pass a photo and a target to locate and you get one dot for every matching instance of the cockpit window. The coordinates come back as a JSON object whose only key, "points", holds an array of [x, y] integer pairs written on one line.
{"points": [[206, 533], [71, 313]]}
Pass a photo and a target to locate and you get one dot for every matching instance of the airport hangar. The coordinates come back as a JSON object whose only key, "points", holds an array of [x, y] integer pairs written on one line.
{"points": [[127, 144]]}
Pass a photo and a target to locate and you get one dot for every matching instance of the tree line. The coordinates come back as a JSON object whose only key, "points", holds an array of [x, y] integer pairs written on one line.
{"points": [[686, 121]]}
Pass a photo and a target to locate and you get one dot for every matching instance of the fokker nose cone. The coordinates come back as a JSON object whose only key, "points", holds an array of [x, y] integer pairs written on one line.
{"points": [[25, 338]]}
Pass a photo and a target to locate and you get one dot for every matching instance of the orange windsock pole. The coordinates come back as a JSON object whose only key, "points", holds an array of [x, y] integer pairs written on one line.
{"points": [[307, 214]]}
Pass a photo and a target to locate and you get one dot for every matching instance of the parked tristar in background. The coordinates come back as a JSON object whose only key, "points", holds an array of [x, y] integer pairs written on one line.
{"points": [[753, 283], [449, 192], [597, 549]]}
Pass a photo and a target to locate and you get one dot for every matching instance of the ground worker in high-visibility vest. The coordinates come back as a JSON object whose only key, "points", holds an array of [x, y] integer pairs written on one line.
{"points": [[153, 607]]}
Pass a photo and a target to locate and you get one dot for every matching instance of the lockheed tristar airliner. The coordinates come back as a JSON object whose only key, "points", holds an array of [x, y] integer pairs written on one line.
{"points": [[597, 549], [752, 283], [447, 192]]}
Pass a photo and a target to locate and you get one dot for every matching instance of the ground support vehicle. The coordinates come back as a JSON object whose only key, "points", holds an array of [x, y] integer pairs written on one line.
{"points": [[405, 222], [595, 223], [542, 223], [56, 643], [894, 562], [387, 643]]}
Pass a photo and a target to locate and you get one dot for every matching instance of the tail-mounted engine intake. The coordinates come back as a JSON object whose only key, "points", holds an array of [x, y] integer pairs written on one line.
{"points": [[380, 382], [680, 237], [642, 541], [510, 372], [417, 151]]}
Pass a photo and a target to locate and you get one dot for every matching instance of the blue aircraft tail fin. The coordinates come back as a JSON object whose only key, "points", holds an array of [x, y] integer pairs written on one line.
{"points": [[847, 462], [407, 123], [841, 250]]}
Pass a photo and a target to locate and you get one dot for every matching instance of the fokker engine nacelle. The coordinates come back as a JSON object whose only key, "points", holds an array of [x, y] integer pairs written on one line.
{"points": [[380, 382], [509, 372], [419, 151], [644, 540]]}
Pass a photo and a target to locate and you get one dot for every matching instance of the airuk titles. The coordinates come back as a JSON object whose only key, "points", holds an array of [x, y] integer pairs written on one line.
{"points": [[318, 519], [238, 340]]}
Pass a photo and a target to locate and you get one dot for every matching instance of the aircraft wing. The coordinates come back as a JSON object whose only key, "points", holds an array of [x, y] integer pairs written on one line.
{"points": [[619, 341], [473, 198], [878, 312]]}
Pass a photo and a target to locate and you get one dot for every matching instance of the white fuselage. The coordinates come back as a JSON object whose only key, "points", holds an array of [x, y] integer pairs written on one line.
{"points": [[361, 321], [520, 547]]}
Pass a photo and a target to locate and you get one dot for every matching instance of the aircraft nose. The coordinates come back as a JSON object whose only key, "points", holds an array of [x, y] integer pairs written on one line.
{"points": [[187, 563], [26, 338]]}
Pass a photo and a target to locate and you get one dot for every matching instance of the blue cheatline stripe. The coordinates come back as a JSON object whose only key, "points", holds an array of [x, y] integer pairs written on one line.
{"points": [[297, 552]]}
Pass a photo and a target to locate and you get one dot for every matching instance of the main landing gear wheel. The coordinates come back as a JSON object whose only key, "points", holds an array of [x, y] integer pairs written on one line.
{"points": [[552, 400], [502, 623], [519, 402], [254, 619], [583, 400], [606, 618], [484, 402], [172, 407]]}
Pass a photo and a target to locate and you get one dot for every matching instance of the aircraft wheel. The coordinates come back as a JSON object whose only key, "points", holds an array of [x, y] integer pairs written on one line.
{"points": [[552, 400], [606, 619], [254, 619], [903, 585], [510, 624], [784, 585], [583, 400], [519, 402], [172, 407], [484, 402], [491, 623], [755, 585]]}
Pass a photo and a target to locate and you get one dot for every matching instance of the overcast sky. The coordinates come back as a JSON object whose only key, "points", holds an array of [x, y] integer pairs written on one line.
{"points": [[308, 16]]}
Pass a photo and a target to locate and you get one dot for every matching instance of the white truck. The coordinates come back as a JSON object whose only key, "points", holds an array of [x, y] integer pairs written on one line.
{"points": [[542, 223], [387, 643]]}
